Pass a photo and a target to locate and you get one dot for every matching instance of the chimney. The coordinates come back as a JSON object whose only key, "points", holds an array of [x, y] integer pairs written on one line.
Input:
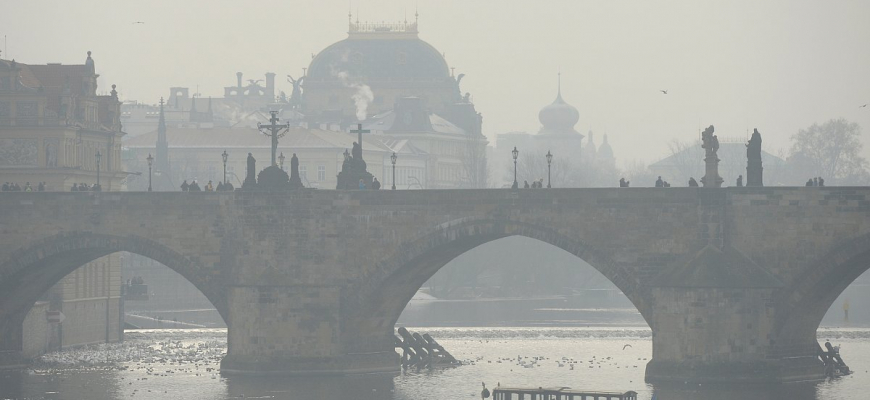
{"points": [[270, 85], [239, 79]]}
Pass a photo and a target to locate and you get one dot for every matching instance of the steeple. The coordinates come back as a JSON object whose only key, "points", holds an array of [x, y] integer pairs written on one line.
{"points": [[162, 144], [559, 117]]}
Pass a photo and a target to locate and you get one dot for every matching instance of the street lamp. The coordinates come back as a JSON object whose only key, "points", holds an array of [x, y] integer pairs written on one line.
{"points": [[150, 162], [281, 160], [516, 153], [393, 160], [99, 157], [549, 162], [225, 156]]}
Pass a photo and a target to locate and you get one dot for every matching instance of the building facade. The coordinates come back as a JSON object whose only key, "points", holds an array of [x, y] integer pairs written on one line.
{"points": [[573, 163], [57, 131]]}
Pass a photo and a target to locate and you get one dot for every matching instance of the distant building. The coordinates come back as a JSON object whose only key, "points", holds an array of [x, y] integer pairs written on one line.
{"points": [[414, 108], [53, 125], [195, 154], [183, 109], [590, 165], [391, 60]]}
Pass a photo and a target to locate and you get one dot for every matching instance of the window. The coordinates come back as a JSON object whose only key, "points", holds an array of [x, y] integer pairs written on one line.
{"points": [[303, 172], [321, 172]]}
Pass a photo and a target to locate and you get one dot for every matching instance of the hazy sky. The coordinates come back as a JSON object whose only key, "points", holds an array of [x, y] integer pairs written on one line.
{"points": [[775, 65]]}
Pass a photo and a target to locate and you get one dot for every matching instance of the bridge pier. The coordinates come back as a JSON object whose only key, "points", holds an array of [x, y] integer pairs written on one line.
{"points": [[723, 335], [293, 330]]}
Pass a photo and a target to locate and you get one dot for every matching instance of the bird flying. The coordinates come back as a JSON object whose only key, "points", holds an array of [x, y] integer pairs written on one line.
{"points": [[628, 345], [137, 22], [862, 106], [663, 91]]}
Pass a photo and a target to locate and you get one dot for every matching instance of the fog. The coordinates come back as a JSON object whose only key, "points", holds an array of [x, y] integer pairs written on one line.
{"points": [[308, 266], [778, 66]]}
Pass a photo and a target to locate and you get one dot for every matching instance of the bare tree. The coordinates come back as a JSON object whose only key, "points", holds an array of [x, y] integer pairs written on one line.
{"points": [[685, 159], [831, 150], [474, 161], [564, 172], [638, 174]]}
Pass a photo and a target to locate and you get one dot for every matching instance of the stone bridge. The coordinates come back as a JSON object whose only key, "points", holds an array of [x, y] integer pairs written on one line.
{"points": [[733, 282]]}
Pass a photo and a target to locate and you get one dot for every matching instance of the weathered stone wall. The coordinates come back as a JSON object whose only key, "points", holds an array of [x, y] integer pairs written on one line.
{"points": [[37, 330]]}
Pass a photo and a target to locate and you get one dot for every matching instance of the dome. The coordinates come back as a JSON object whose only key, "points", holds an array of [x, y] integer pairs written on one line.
{"points": [[605, 152], [559, 117], [380, 52]]}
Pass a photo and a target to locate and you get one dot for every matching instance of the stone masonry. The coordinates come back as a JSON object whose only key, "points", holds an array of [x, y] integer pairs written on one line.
{"points": [[733, 282]]}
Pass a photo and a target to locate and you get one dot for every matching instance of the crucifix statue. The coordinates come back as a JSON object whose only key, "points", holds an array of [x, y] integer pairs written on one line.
{"points": [[359, 131], [274, 130]]}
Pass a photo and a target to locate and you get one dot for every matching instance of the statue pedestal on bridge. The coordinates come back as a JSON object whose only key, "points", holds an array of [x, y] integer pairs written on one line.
{"points": [[710, 143], [353, 171]]}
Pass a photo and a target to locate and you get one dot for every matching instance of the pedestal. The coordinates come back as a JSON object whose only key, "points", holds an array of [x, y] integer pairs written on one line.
{"points": [[294, 330]]}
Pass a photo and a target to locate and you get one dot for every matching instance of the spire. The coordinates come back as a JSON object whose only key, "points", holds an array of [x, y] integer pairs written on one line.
{"points": [[162, 144]]}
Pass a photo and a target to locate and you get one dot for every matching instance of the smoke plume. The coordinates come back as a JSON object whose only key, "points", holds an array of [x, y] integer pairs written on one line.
{"points": [[362, 96]]}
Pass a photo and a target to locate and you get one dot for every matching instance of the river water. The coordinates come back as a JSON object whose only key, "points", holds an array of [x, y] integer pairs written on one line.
{"points": [[183, 364]]}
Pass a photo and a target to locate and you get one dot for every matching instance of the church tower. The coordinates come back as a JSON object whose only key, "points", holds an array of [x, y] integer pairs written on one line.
{"points": [[162, 144]]}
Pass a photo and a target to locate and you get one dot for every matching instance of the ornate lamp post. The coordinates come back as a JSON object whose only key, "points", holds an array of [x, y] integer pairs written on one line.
{"points": [[516, 153], [150, 162], [393, 160], [99, 157], [281, 159], [549, 162], [225, 156]]}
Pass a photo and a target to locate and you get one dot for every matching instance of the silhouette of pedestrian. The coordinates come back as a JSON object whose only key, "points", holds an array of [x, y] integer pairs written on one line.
{"points": [[660, 182], [821, 181], [740, 181], [693, 182]]}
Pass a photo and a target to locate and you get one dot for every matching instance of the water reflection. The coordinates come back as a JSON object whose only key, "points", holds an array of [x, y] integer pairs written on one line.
{"points": [[362, 387], [581, 358]]}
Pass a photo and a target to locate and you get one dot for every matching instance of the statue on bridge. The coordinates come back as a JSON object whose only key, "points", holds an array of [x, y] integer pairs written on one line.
{"points": [[295, 179], [250, 174], [710, 143], [754, 169], [353, 169]]}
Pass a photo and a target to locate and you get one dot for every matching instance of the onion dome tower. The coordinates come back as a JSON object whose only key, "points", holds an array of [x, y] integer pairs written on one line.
{"points": [[605, 153], [559, 117]]}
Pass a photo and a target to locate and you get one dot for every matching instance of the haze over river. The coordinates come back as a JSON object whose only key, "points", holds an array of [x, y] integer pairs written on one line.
{"points": [[182, 364], [589, 351]]}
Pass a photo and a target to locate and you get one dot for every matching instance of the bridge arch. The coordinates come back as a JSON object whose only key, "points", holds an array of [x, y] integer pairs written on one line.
{"points": [[403, 272], [28, 273], [814, 291]]}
